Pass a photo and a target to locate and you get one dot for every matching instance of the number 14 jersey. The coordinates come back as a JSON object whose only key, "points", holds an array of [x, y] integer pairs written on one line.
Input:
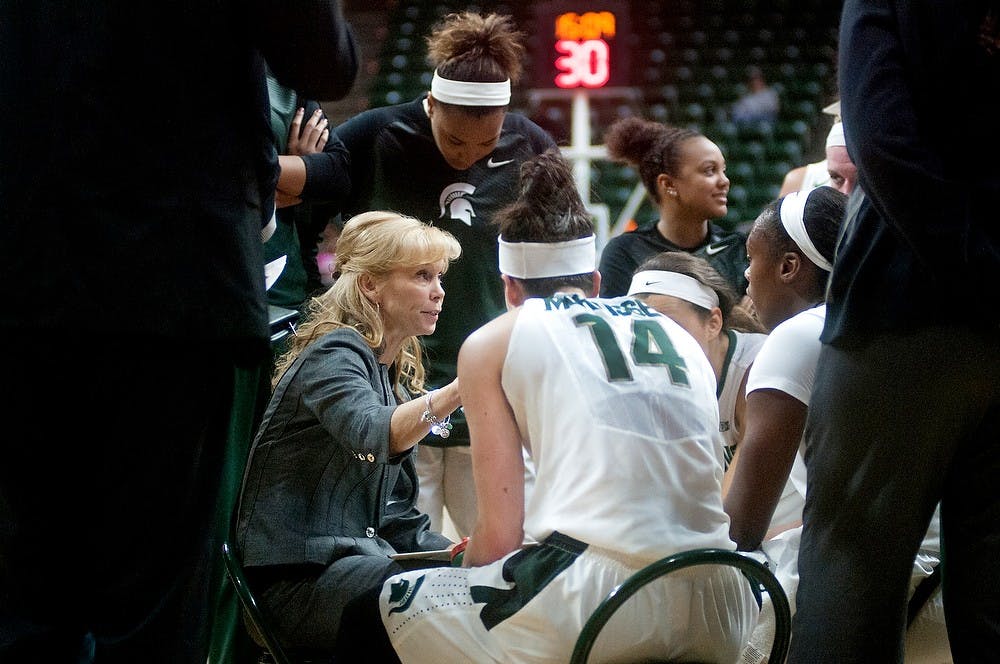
{"points": [[616, 404]]}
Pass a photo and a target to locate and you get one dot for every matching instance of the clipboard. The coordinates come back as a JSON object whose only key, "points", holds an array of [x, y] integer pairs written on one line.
{"points": [[438, 554]]}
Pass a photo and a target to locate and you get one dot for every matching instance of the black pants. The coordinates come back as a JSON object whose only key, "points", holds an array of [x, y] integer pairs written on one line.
{"points": [[332, 611], [109, 469], [893, 428]]}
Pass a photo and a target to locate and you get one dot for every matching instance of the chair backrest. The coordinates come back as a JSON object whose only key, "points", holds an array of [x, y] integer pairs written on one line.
{"points": [[761, 578], [234, 568]]}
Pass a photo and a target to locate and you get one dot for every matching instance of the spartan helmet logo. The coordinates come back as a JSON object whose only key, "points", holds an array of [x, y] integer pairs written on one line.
{"points": [[402, 594], [398, 591], [454, 204]]}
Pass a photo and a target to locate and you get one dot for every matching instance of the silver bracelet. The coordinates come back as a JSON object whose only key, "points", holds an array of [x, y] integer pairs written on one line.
{"points": [[439, 427]]}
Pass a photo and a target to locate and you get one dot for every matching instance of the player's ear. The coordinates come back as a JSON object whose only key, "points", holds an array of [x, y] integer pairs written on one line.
{"points": [[715, 322], [513, 291]]}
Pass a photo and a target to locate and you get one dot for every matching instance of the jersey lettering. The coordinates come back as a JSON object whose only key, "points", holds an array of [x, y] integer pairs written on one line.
{"points": [[623, 308]]}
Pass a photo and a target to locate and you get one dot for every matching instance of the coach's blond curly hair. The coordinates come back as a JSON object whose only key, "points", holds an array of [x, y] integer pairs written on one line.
{"points": [[373, 243]]}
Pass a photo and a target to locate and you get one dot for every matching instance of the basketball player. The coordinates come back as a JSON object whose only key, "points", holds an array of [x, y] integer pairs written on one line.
{"points": [[616, 404]]}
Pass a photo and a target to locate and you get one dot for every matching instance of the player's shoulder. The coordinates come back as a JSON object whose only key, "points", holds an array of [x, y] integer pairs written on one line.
{"points": [[409, 116], [718, 234], [640, 238], [723, 244], [805, 326], [747, 344], [515, 123]]}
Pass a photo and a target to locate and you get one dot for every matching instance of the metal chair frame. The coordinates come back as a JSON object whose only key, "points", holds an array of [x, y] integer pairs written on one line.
{"points": [[761, 578], [253, 613]]}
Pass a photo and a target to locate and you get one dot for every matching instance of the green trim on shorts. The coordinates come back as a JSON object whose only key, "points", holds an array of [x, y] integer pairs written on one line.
{"points": [[530, 570]]}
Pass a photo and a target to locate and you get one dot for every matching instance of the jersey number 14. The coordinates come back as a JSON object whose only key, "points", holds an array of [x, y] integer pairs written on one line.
{"points": [[650, 346]]}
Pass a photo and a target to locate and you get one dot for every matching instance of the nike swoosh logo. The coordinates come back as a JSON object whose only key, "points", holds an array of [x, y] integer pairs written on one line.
{"points": [[494, 164], [650, 283], [712, 249]]}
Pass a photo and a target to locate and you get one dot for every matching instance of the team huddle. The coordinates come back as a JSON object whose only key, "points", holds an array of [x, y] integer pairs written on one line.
{"points": [[780, 391]]}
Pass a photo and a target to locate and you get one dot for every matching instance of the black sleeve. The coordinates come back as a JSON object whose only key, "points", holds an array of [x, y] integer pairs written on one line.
{"points": [[346, 166], [308, 44], [911, 104], [616, 268], [268, 176], [346, 163], [328, 174]]}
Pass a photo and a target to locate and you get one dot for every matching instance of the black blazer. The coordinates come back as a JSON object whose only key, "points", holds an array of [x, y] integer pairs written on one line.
{"points": [[320, 484], [921, 245]]}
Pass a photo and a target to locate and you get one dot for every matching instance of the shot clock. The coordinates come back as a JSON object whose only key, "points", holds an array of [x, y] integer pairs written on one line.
{"points": [[581, 45]]}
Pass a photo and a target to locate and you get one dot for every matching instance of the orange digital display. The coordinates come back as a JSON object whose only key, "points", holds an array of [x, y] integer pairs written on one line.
{"points": [[589, 25], [584, 58]]}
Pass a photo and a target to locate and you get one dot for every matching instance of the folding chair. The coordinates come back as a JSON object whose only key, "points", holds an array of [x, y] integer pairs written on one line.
{"points": [[761, 579], [260, 632]]}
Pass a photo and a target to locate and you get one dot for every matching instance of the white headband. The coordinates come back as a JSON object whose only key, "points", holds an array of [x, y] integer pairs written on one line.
{"points": [[791, 214], [836, 136], [538, 260], [676, 284], [470, 93]]}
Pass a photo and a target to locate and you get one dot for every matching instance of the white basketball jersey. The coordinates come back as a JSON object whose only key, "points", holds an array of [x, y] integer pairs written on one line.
{"points": [[787, 363], [624, 426], [743, 347]]}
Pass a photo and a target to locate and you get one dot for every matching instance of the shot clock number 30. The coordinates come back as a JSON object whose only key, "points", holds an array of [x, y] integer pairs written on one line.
{"points": [[581, 44], [585, 56]]}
